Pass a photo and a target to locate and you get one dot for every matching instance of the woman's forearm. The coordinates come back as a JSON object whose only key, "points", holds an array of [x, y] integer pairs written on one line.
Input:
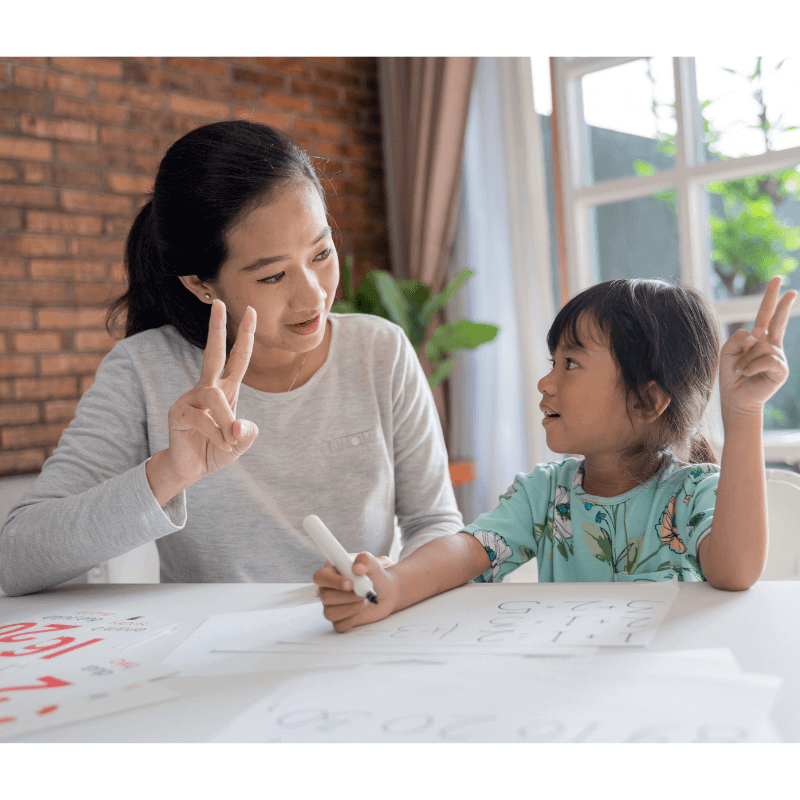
{"points": [[733, 555]]}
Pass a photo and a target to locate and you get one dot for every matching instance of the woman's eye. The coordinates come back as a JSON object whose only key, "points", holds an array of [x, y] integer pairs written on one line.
{"points": [[323, 255], [272, 278]]}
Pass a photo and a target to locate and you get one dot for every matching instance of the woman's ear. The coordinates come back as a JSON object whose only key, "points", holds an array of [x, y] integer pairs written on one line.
{"points": [[197, 288]]}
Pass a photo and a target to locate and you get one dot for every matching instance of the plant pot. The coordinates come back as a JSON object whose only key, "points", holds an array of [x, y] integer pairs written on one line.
{"points": [[462, 472]]}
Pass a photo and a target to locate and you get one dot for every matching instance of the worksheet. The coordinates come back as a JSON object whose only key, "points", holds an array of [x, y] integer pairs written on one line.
{"points": [[633, 697]]}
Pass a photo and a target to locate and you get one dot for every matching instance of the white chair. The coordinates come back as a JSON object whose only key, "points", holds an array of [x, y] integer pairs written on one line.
{"points": [[783, 515]]}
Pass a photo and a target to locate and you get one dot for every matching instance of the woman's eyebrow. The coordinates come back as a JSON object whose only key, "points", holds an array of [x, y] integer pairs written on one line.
{"points": [[265, 262]]}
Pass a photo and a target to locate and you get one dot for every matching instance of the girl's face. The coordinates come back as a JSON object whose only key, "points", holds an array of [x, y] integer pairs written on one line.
{"points": [[584, 389], [282, 262]]}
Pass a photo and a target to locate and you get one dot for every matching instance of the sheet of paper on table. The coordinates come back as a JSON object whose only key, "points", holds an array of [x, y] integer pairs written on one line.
{"points": [[630, 697]]}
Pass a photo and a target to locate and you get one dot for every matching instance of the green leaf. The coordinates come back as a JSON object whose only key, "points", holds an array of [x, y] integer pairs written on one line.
{"points": [[344, 307], [347, 278], [526, 553], [442, 372], [434, 304], [597, 542], [461, 335], [644, 167], [392, 299]]}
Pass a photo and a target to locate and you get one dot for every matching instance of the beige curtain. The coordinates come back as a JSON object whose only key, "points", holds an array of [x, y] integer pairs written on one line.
{"points": [[424, 108]]}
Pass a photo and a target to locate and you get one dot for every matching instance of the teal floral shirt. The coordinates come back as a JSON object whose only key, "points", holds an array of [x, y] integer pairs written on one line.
{"points": [[650, 533]]}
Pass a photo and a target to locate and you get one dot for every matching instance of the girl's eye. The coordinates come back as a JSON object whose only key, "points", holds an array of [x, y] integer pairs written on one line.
{"points": [[567, 360], [323, 255], [272, 278]]}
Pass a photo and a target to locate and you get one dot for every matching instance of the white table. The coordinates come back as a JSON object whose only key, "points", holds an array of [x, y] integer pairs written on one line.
{"points": [[760, 626]]}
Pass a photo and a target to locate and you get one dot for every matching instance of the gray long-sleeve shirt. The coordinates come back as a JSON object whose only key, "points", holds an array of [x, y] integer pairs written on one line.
{"points": [[357, 444]]}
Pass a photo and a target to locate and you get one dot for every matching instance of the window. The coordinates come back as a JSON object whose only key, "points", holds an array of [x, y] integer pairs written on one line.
{"points": [[684, 169]]}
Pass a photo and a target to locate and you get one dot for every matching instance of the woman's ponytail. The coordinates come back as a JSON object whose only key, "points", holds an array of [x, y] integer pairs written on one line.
{"points": [[701, 450]]}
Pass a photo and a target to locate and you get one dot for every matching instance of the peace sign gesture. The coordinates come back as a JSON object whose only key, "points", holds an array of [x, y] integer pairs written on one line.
{"points": [[204, 434], [752, 363]]}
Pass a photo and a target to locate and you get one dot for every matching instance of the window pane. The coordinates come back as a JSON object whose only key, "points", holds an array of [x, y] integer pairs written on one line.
{"points": [[782, 412], [636, 239], [754, 226], [749, 104], [629, 116]]}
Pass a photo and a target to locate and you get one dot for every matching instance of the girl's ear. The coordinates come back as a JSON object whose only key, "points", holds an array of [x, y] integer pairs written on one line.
{"points": [[658, 402]]}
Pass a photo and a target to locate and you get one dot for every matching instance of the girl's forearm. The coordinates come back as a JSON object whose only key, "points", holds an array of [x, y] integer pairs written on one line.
{"points": [[437, 566], [733, 555]]}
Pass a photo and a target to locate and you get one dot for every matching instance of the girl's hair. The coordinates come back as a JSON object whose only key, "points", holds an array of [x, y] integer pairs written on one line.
{"points": [[207, 182], [656, 331]]}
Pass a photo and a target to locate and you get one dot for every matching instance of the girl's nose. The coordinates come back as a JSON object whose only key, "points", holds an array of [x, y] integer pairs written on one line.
{"points": [[545, 385]]}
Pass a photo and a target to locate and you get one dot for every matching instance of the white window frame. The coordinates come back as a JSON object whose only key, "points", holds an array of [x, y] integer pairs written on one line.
{"points": [[688, 178]]}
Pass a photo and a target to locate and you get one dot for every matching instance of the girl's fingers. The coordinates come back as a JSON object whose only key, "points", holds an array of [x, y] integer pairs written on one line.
{"points": [[767, 308], [239, 359], [191, 418], [214, 354], [780, 319], [326, 577], [770, 364], [339, 613]]}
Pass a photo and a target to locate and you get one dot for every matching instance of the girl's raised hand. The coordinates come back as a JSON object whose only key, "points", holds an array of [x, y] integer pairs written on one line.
{"points": [[752, 363], [204, 434]]}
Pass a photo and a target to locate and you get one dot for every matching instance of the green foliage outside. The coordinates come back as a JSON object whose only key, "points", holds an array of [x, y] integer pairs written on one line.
{"points": [[749, 244], [413, 306]]}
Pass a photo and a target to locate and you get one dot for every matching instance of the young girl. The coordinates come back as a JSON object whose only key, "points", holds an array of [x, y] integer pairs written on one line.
{"points": [[634, 363]]}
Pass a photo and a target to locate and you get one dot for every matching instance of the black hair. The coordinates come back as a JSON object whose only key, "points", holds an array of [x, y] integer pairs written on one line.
{"points": [[206, 183], [656, 331]]}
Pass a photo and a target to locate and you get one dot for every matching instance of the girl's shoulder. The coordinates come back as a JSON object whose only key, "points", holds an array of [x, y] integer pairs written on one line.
{"points": [[678, 473]]}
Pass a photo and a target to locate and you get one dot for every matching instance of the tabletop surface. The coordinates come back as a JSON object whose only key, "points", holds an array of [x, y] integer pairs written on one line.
{"points": [[759, 626]]}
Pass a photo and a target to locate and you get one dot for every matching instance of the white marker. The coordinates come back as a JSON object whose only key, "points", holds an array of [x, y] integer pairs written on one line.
{"points": [[338, 556]]}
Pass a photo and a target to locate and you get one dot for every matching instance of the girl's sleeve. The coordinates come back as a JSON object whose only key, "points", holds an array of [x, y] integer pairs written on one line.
{"points": [[92, 501], [424, 501], [700, 490], [507, 532]]}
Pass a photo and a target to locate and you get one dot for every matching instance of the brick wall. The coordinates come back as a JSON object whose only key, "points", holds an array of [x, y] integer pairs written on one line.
{"points": [[80, 142]]}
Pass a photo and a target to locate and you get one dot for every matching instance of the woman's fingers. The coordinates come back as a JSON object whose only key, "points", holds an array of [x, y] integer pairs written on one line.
{"points": [[239, 359], [191, 418], [214, 354], [214, 399], [245, 433]]}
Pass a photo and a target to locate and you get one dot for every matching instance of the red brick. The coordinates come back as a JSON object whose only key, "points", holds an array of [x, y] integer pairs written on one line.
{"points": [[51, 81], [259, 78], [94, 112], [69, 364], [198, 106], [118, 272], [145, 162], [224, 92], [65, 129], [129, 184], [133, 95], [198, 65], [32, 435], [64, 318], [86, 382], [27, 196], [10, 219], [8, 171], [16, 318], [326, 130], [60, 410], [45, 388], [90, 156], [96, 293], [96, 248], [359, 97], [366, 65], [21, 462], [72, 176], [285, 101], [278, 120], [16, 366], [37, 342], [38, 173], [49, 222], [19, 414], [22, 100], [67, 270], [100, 67], [337, 76], [93, 340], [12, 267], [129, 140], [344, 114], [297, 66], [33, 245], [28, 292], [78, 200], [315, 90], [117, 227], [174, 125], [17, 147], [8, 122]]}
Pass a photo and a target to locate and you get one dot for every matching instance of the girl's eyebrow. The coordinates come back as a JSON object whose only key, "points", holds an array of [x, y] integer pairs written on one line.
{"points": [[265, 262]]}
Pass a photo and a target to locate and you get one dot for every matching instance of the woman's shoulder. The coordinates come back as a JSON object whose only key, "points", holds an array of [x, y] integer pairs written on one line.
{"points": [[159, 353], [360, 325]]}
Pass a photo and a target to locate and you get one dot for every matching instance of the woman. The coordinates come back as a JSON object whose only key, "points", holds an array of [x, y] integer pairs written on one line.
{"points": [[218, 454]]}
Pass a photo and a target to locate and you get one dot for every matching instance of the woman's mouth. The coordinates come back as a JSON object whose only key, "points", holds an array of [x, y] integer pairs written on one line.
{"points": [[306, 327]]}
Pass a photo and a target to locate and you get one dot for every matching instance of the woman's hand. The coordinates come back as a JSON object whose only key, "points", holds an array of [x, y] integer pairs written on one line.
{"points": [[204, 434], [343, 607], [752, 364]]}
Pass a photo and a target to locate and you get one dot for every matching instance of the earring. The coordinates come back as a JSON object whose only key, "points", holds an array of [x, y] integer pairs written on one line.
{"points": [[208, 296]]}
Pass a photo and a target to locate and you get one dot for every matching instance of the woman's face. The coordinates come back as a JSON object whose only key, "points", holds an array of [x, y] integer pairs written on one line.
{"points": [[282, 262]]}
